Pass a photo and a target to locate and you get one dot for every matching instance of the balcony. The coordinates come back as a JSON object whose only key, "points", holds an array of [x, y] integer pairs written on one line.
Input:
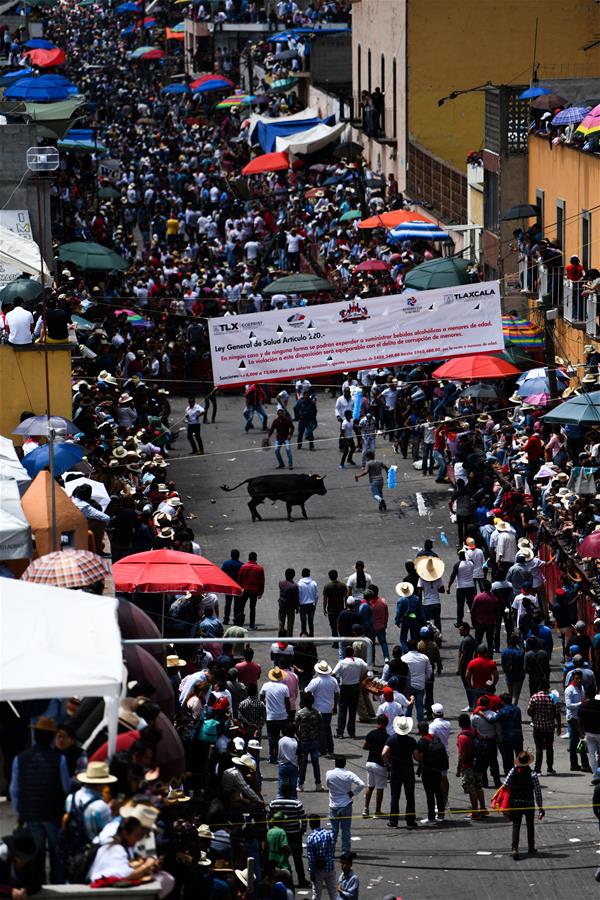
{"points": [[574, 304]]}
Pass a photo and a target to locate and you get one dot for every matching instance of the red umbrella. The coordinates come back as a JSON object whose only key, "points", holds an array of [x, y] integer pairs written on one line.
{"points": [[43, 59], [141, 666], [479, 366], [167, 571], [392, 218], [270, 162], [372, 265], [155, 53], [590, 546], [209, 79]]}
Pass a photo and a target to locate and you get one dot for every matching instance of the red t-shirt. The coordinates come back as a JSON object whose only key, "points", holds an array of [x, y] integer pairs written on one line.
{"points": [[482, 670], [534, 448], [464, 743], [249, 672]]}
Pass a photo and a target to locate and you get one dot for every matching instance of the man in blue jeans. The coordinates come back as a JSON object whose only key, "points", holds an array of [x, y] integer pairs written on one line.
{"points": [[343, 786], [409, 613], [308, 725], [287, 758]]}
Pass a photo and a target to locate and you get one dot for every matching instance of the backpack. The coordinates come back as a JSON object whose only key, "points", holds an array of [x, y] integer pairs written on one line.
{"points": [[480, 759], [436, 757], [75, 848], [207, 733]]}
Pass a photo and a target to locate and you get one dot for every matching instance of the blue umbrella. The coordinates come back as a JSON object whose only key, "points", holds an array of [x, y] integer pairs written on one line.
{"points": [[408, 233], [39, 44], [572, 115], [43, 88], [10, 77], [535, 91], [65, 456], [128, 7], [175, 89]]}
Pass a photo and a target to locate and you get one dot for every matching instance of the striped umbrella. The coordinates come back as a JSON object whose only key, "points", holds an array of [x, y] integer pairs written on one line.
{"points": [[591, 123], [236, 100], [211, 82], [572, 115], [521, 332]]}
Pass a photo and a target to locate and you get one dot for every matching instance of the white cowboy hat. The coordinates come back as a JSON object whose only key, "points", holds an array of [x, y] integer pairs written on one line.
{"points": [[502, 526], [429, 568], [404, 589], [524, 542], [203, 831], [402, 724], [146, 815], [173, 661], [248, 761], [242, 761], [527, 552], [323, 668], [203, 860], [242, 874], [96, 773]]}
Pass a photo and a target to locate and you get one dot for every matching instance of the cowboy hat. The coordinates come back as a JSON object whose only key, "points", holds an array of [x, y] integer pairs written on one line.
{"points": [[96, 773], [173, 661], [242, 761], [402, 724], [125, 398], [524, 542], [524, 758], [248, 761], [174, 501], [527, 552], [45, 724], [203, 859], [589, 379], [254, 745], [176, 796], [323, 667], [146, 815], [275, 674], [404, 589], [109, 379], [119, 453], [429, 568], [166, 534], [242, 874], [502, 525], [483, 418], [203, 831]]}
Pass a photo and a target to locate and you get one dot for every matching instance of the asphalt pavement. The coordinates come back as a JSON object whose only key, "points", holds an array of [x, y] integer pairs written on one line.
{"points": [[460, 858]]}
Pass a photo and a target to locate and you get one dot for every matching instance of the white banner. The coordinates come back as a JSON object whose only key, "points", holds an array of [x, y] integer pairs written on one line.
{"points": [[17, 221], [356, 334]]}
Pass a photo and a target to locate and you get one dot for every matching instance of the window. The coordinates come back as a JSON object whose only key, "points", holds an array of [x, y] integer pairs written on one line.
{"points": [[539, 202], [560, 223], [369, 85], [586, 238], [383, 90], [394, 100], [490, 200], [358, 78]]}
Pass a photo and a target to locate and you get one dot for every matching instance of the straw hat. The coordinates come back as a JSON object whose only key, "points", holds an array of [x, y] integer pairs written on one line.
{"points": [[527, 552], [248, 761], [321, 668], [173, 661], [523, 542], [96, 773], [243, 761], [119, 453], [146, 815], [125, 398], [589, 379], [404, 589], [524, 758], [44, 723], [502, 526], [203, 859], [203, 831], [515, 398], [166, 534], [275, 674], [402, 724], [176, 796], [429, 568], [484, 418]]}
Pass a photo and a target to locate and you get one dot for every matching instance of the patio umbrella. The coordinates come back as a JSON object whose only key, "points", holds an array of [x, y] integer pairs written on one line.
{"points": [[411, 231], [38, 425], [589, 125], [154, 53], [236, 100], [108, 193], [89, 255], [135, 623], [350, 215], [478, 366], [590, 546], [299, 283], [65, 455], [534, 91], [43, 59], [211, 83], [584, 409], [572, 115], [99, 492], [540, 372], [314, 193], [67, 569], [24, 288], [538, 399], [480, 392], [516, 356], [372, 265], [159, 571], [175, 89], [36, 90], [11, 77], [548, 102], [39, 44], [81, 323], [521, 332], [283, 84], [520, 211], [143, 666], [392, 218], [438, 273], [170, 754], [348, 150], [270, 162]]}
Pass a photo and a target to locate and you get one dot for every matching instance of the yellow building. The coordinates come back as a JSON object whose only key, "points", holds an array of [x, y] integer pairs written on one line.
{"points": [[421, 52], [23, 381]]}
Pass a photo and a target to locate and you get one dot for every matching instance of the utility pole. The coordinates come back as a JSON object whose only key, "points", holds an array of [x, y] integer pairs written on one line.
{"points": [[550, 350]]}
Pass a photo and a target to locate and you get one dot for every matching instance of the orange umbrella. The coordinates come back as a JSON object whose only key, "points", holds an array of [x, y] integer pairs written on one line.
{"points": [[46, 58], [393, 218], [174, 35], [270, 162]]}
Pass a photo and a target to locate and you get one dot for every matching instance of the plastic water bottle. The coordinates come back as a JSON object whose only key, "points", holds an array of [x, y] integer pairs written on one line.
{"points": [[391, 479], [357, 404], [443, 538]]}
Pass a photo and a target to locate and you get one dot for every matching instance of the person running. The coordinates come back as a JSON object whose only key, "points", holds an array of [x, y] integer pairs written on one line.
{"points": [[193, 414], [374, 469], [284, 428]]}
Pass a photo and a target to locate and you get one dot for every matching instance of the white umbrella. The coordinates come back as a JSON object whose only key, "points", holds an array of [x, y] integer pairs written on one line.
{"points": [[99, 492], [15, 530]]}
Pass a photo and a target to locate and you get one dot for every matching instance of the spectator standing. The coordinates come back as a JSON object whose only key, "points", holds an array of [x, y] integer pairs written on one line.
{"points": [[308, 594], [398, 755], [320, 859], [287, 757], [574, 697], [432, 757], [466, 651], [308, 722], [294, 825], [524, 787], [334, 600], [288, 604], [430, 570], [484, 613], [466, 769], [350, 672], [508, 718], [193, 413], [545, 717], [376, 771], [379, 619], [251, 579], [421, 672], [325, 690], [513, 666], [276, 697], [480, 670], [343, 785], [232, 568]]}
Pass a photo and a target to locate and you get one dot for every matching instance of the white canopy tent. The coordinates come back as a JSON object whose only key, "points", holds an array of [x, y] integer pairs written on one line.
{"points": [[310, 141], [56, 642], [15, 530], [22, 255], [10, 465]]}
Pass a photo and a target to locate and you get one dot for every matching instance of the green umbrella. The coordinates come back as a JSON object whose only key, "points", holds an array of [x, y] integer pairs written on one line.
{"points": [[581, 410], [22, 287], [82, 147], [447, 271], [351, 214], [298, 284], [61, 109], [88, 255], [283, 84], [82, 324], [109, 193]]}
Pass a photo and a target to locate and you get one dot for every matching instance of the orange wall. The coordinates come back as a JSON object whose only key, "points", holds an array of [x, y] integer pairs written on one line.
{"points": [[573, 176]]}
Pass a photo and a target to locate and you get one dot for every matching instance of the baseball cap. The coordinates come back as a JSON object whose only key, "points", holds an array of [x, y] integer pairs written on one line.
{"points": [[437, 709]]}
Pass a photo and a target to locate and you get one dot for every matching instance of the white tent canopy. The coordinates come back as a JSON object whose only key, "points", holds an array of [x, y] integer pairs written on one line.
{"points": [[15, 530], [310, 141], [56, 642], [10, 465], [21, 254]]}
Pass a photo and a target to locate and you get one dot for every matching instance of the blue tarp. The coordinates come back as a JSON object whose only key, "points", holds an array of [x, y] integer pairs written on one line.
{"points": [[266, 134]]}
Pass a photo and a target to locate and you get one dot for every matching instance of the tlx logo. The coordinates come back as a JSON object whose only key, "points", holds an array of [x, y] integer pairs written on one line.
{"points": [[233, 326]]}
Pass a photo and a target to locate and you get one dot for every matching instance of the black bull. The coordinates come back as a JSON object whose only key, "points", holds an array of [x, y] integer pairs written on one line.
{"points": [[294, 490]]}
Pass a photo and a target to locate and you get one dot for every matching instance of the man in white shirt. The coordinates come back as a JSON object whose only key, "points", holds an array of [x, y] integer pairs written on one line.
{"points": [[287, 757], [276, 696], [504, 543], [343, 786], [394, 704], [344, 402], [350, 671], [193, 414], [420, 671], [477, 557], [19, 324], [325, 690], [442, 729], [308, 594]]}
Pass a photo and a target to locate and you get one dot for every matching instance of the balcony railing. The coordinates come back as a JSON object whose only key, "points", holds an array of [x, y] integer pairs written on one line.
{"points": [[574, 310]]}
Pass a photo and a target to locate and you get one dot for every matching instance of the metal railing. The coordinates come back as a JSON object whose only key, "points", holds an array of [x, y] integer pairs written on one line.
{"points": [[258, 640], [574, 305]]}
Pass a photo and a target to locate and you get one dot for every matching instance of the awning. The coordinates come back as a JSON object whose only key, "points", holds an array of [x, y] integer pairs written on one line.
{"points": [[311, 140], [22, 255], [15, 531]]}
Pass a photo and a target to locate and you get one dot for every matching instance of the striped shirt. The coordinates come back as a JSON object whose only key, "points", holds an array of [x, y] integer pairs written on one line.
{"points": [[252, 712], [294, 823]]}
